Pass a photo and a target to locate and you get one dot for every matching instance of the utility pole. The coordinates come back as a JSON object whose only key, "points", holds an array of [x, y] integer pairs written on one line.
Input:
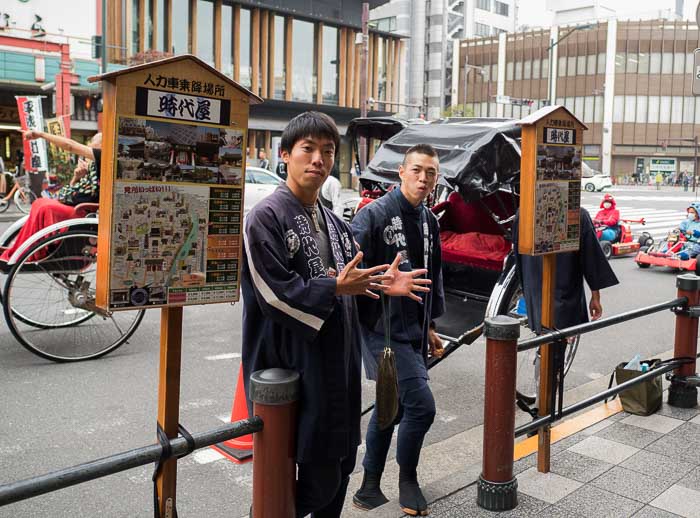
{"points": [[364, 51], [104, 36]]}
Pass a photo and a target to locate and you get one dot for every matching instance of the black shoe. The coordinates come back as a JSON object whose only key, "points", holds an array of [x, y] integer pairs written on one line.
{"points": [[411, 498], [370, 494]]}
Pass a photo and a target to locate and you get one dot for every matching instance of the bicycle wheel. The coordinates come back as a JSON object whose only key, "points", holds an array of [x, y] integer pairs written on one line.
{"points": [[4, 205], [49, 301], [512, 303], [23, 199]]}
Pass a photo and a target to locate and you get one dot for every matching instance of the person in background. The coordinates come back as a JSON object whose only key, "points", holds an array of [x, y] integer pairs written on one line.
{"points": [[609, 217], [399, 222], [330, 195], [691, 228], [263, 163]]}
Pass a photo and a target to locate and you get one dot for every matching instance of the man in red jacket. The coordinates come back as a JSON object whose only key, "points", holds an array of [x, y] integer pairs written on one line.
{"points": [[609, 218]]}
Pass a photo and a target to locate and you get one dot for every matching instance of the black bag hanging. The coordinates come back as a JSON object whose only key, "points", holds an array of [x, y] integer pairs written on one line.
{"points": [[387, 395]]}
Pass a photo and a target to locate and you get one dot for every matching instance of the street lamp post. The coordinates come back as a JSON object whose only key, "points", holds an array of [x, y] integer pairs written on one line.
{"points": [[550, 49], [467, 68]]}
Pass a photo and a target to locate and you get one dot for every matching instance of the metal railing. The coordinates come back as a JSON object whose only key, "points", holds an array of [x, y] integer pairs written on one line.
{"points": [[497, 487]]}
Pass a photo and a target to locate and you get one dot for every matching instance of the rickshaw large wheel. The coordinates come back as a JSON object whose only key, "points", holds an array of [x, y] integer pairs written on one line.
{"points": [[528, 368], [42, 301]]}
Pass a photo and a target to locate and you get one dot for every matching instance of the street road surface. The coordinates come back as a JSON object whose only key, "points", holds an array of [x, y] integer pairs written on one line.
{"points": [[57, 415]]}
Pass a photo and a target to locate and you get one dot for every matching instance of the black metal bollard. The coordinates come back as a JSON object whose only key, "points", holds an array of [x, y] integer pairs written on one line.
{"points": [[274, 393], [682, 393], [497, 488]]}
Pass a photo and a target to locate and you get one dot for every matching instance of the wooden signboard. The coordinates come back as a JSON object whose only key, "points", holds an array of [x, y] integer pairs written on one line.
{"points": [[550, 182], [549, 220], [171, 207], [171, 187]]}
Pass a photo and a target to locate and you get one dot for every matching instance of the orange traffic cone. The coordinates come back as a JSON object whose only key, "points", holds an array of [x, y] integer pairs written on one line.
{"points": [[240, 449]]}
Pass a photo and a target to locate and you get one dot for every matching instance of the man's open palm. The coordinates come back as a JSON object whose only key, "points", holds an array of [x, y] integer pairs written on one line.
{"points": [[406, 284]]}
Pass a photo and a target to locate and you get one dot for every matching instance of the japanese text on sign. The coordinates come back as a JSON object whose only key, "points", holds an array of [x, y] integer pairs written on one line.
{"points": [[185, 85], [559, 136], [31, 118], [155, 103]]}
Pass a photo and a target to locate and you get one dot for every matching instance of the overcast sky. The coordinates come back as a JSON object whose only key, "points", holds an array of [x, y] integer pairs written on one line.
{"points": [[533, 12]]}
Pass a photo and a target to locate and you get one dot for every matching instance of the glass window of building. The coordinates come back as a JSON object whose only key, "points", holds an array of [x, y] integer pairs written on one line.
{"points": [[653, 109], [494, 72], [509, 71], [618, 108], [598, 109], [581, 65], [688, 110], [481, 30], [590, 64], [561, 66], [180, 26], [484, 5], [679, 63], [527, 69], [500, 8], [227, 39], [578, 107], [630, 108], [545, 67], [536, 64], [667, 63], [303, 62], [631, 66], [642, 105], [280, 54], [588, 109], [330, 66], [571, 66], [654, 63], [676, 110], [569, 103], [518, 70], [697, 110], [619, 63], [244, 36], [689, 63], [601, 63], [148, 10], [135, 27], [385, 24], [643, 67], [665, 109], [205, 31], [162, 24]]}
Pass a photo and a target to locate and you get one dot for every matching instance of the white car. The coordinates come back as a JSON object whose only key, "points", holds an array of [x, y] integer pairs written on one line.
{"points": [[592, 180], [258, 184]]}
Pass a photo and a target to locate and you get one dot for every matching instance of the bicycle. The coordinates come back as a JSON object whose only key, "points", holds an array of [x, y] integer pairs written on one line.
{"points": [[23, 196]]}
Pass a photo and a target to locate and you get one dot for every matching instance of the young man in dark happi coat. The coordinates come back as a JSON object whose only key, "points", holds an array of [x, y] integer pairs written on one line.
{"points": [[299, 277], [400, 222], [587, 263]]}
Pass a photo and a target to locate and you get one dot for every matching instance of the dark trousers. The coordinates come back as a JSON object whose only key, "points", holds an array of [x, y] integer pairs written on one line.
{"points": [[416, 414], [321, 487]]}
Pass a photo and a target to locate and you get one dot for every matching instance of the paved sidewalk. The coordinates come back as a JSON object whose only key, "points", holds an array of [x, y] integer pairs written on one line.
{"points": [[620, 467]]}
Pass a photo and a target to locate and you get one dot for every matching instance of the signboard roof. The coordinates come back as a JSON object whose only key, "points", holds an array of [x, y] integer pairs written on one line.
{"points": [[253, 99], [533, 118]]}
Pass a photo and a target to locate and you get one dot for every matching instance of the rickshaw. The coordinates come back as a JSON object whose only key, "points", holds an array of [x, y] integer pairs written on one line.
{"points": [[49, 294], [475, 201]]}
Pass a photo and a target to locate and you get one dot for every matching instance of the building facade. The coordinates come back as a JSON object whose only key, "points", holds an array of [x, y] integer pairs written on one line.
{"points": [[629, 81], [36, 38], [298, 55], [432, 27]]}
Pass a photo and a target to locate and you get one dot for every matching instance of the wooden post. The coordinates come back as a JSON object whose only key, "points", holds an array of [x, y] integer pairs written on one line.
{"points": [[169, 400], [549, 274]]}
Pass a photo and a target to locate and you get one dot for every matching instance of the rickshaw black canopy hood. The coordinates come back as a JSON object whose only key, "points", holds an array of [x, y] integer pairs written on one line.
{"points": [[477, 156]]}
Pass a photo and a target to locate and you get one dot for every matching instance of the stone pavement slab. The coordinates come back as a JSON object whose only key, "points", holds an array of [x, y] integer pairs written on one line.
{"points": [[548, 487], [628, 434], [632, 484], [657, 465], [679, 500], [655, 422], [594, 502], [578, 467], [603, 449]]}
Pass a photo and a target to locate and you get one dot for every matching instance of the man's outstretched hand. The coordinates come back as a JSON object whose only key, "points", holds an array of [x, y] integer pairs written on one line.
{"points": [[406, 284], [357, 281]]}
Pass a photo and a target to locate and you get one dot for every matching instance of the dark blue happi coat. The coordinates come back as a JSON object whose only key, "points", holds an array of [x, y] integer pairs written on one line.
{"points": [[384, 228], [587, 263], [293, 319]]}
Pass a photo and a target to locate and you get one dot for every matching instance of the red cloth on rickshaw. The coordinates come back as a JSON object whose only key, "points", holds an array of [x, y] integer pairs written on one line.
{"points": [[44, 212], [474, 249]]}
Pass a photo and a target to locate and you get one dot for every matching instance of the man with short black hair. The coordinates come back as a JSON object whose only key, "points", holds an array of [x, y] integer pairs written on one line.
{"points": [[400, 223], [300, 275]]}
